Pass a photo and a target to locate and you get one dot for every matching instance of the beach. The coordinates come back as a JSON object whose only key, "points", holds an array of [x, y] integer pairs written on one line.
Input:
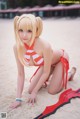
{"points": [[62, 33]]}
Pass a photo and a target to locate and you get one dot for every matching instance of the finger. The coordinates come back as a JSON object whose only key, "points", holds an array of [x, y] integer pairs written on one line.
{"points": [[33, 102], [28, 100]]}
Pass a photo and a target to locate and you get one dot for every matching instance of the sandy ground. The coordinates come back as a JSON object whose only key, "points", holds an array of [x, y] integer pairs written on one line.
{"points": [[60, 33]]}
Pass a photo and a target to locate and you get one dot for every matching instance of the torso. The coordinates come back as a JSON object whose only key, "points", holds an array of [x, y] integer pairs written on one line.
{"points": [[33, 58], [38, 48], [56, 56], [35, 55]]}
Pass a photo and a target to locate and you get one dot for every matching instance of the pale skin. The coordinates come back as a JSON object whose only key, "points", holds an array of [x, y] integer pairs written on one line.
{"points": [[51, 57]]}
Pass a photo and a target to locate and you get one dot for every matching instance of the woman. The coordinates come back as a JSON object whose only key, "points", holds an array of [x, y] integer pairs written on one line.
{"points": [[31, 50]]}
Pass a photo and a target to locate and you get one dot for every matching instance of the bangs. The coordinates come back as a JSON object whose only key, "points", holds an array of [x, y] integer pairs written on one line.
{"points": [[25, 24]]}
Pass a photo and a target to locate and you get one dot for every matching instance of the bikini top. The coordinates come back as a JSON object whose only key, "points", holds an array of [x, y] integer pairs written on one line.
{"points": [[38, 60]]}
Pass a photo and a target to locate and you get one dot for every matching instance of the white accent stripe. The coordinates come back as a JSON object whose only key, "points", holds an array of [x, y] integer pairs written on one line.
{"points": [[27, 63], [40, 61], [35, 56], [30, 51], [27, 56]]}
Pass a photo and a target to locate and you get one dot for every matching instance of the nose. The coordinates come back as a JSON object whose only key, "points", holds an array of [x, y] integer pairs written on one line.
{"points": [[24, 34]]}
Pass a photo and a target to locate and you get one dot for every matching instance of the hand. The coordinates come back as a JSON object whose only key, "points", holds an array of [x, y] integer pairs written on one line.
{"points": [[32, 98], [15, 104]]}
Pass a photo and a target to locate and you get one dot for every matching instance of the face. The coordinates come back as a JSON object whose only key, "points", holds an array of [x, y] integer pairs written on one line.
{"points": [[25, 35], [25, 30]]}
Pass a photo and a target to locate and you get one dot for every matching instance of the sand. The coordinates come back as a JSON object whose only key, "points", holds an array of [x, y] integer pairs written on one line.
{"points": [[60, 33]]}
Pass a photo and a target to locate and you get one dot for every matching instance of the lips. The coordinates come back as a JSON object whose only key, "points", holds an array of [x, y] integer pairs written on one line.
{"points": [[24, 39]]}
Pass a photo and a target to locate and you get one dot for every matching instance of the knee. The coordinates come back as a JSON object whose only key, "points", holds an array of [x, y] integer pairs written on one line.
{"points": [[52, 92]]}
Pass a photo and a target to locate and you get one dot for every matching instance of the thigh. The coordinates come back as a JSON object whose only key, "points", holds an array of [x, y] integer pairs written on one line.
{"points": [[55, 84], [35, 79]]}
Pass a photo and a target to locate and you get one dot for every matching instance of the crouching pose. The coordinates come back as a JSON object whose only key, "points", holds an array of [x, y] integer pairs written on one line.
{"points": [[31, 50]]}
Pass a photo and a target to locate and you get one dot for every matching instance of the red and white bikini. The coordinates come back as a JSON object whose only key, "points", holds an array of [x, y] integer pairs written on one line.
{"points": [[39, 61]]}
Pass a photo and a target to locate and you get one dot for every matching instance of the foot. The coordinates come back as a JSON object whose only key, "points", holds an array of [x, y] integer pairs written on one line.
{"points": [[73, 71]]}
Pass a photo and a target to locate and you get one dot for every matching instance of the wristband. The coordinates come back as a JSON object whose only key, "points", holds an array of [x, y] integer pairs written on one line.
{"points": [[19, 99]]}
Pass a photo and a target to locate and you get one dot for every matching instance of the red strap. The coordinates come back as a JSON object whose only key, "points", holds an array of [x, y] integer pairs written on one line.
{"points": [[29, 47], [34, 73], [66, 66]]}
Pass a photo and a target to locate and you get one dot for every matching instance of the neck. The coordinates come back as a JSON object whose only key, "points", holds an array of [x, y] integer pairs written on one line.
{"points": [[27, 45]]}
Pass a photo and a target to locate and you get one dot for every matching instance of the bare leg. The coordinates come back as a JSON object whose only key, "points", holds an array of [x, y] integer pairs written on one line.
{"points": [[55, 85], [56, 80]]}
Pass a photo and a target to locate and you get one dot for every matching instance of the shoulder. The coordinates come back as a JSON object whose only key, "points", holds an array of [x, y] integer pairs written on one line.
{"points": [[46, 48], [44, 44]]}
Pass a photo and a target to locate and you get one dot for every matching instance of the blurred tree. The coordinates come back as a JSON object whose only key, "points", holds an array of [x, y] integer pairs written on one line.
{"points": [[11, 3], [30, 3], [22, 3], [33, 3], [45, 2], [54, 2]]}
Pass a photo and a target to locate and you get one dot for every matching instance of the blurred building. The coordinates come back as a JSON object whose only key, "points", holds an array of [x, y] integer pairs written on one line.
{"points": [[42, 8], [3, 4]]}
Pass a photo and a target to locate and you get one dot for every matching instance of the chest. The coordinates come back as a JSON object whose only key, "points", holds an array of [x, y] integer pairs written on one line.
{"points": [[33, 58]]}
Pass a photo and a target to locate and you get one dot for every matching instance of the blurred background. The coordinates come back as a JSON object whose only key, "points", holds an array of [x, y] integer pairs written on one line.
{"points": [[42, 8]]}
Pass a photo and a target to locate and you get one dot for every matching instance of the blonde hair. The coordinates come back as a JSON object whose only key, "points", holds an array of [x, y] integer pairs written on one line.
{"points": [[31, 22]]}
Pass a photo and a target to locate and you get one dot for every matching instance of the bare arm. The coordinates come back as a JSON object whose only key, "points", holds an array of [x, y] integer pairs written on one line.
{"points": [[46, 70], [21, 75]]}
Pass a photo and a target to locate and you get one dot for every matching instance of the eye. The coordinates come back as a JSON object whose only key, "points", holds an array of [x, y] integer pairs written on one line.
{"points": [[20, 30], [29, 31]]}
